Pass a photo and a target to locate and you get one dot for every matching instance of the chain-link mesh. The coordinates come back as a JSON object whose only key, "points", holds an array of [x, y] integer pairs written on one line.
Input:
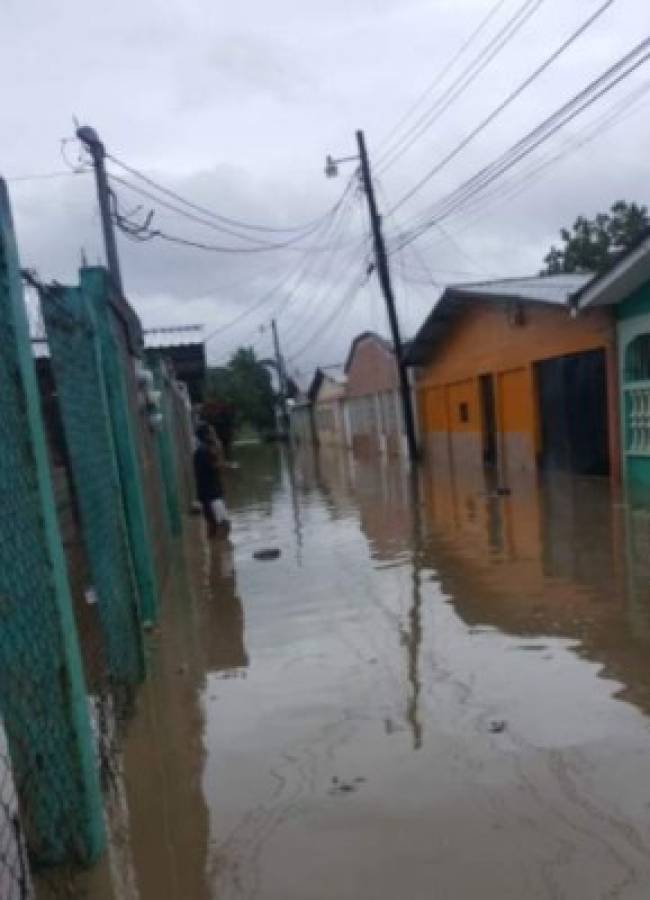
{"points": [[42, 701], [167, 450], [181, 432], [15, 879], [76, 364], [59, 733], [149, 458]]}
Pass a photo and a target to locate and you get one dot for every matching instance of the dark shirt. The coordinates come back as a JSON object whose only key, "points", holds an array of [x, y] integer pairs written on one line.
{"points": [[206, 472]]}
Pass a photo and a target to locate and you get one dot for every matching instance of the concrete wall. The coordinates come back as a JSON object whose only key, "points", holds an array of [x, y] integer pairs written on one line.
{"points": [[372, 369], [485, 340], [328, 413], [374, 417]]}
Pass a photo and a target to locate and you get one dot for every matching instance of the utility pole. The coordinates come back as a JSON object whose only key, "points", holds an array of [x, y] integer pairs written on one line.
{"points": [[383, 272], [282, 378], [90, 139]]}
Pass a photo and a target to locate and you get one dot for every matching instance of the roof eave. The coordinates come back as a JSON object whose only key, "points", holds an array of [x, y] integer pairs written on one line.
{"points": [[623, 279]]}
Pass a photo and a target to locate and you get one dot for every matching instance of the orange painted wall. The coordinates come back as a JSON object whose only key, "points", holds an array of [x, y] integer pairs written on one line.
{"points": [[483, 340]]}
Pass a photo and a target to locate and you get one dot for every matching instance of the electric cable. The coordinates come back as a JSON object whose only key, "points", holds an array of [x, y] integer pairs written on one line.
{"points": [[458, 87], [541, 133], [514, 95], [236, 223]]}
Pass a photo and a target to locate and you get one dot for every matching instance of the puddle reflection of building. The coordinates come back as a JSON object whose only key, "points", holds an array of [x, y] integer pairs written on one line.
{"points": [[546, 559], [389, 518], [258, 478], [165, 750], [223, 614]]}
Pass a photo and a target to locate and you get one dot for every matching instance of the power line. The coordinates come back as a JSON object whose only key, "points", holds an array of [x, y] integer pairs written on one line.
{"points": [[613, 76], [617, 113], [259, 244], [46, 176], [324, 283], [530, 79], [268, 295], [439, 77], [208, 223], [237, 223], [302, 272], [347, 297], [463, 81]]}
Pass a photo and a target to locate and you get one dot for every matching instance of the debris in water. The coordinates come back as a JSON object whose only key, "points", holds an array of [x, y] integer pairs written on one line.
{"points": [[497, 726], [268, 553]]}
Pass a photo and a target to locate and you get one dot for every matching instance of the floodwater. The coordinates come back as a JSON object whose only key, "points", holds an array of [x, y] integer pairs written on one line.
{"points": [[436, 692]]}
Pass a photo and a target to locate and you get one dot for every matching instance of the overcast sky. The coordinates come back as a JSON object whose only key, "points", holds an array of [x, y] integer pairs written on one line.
{"points": [[235, 105]]}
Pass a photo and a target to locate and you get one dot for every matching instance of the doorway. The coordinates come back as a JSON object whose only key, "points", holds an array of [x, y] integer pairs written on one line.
{"points": [[489, 420], [572, 392]]}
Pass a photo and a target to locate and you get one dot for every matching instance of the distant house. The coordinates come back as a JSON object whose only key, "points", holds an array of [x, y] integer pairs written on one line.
{"points": [[184, 349], [372, 410], [625, 289], [301, 420], [327, 392], [507, 376]]}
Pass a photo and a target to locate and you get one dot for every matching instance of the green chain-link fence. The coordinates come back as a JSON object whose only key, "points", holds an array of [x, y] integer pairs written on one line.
{"points": [[93, 488], [42, 695], [76, 362]]}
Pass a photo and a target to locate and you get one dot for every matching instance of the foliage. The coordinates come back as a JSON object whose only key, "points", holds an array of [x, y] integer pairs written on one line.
{"points": [[244, 383], [592, 244]]}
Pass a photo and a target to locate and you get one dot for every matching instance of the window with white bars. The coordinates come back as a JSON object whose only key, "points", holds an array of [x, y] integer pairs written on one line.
{"points": [[637, 402]]}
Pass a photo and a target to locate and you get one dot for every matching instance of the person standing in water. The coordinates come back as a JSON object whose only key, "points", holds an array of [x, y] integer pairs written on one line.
{"points": [[208, 463]]}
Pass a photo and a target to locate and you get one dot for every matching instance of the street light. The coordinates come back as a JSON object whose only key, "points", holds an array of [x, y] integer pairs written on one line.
{"points": [[383, 271], [332, 165]]}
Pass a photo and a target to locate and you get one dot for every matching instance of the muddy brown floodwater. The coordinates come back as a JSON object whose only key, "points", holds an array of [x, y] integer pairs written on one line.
{"points": [[434, 693]]}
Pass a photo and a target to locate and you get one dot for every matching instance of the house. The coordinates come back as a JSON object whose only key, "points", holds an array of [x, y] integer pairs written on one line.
{"points": [[301, 419], [327, 393], [507, 376], [625, 289], [183, 347], [372, 410]]}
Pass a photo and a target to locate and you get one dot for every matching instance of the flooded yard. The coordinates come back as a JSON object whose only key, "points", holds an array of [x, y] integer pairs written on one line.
{"points": [[436, 691]]}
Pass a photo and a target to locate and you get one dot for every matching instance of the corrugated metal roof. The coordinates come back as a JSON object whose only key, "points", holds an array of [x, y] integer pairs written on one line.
{"points": [[173, 336], [553, 289], [539, 288]]}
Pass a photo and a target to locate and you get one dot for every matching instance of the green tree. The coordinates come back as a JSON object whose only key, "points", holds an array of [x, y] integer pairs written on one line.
{"points": [[592, 244], [244, 383]]}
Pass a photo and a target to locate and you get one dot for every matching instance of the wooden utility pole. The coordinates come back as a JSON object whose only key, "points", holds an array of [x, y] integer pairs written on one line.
{"points": [[282, 378], [383, 272], [90, 139]]}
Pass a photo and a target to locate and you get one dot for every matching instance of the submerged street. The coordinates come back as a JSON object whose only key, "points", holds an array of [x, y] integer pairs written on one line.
{"points": [[435, 691]]}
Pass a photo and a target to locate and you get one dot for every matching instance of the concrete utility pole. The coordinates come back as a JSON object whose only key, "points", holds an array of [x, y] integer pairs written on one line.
{"points": [[383, 272], [90, 139], [282, 377]]}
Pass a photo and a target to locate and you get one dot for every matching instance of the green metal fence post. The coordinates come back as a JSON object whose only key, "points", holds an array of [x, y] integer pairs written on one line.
{"points": [[42, 692], [75, 355], [166, 450], [95, 285]]}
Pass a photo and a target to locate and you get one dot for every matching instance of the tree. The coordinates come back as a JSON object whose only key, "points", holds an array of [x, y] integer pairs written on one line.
{"points": [[592, 244], [244, 384]]}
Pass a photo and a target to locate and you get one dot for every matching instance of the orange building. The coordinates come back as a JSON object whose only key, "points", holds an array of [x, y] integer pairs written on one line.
{"points": [[506, 376]]}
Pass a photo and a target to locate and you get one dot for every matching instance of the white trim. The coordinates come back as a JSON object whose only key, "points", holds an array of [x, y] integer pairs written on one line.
{"points": [[625, 278]]}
